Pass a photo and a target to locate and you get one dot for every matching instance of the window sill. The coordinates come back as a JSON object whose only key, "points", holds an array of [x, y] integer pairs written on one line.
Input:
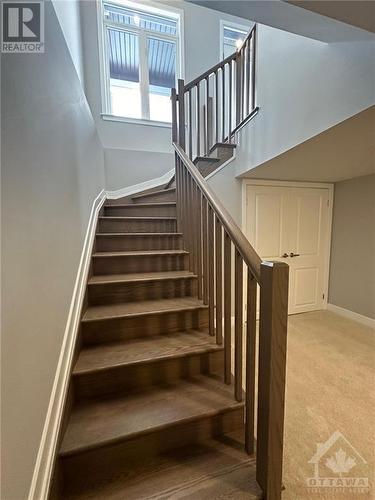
{"points": [[135, 121]]}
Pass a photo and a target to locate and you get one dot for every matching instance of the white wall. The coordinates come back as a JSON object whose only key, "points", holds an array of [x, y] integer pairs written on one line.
{"points": [[201, 51], [303, 88], [68, 14], [52, 170]]}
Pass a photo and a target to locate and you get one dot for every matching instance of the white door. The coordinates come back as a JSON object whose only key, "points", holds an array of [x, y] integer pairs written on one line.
{"points": [[291, 224]]}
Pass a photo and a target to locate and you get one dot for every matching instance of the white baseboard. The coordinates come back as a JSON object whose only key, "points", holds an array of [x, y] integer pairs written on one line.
{"points": [[142, 186], [44, 463], [365, 320], [223, 165]]}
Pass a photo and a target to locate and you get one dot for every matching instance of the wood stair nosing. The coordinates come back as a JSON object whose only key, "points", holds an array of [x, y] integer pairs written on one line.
{"points": [[153, 193], [110, 279], [139, 253]]}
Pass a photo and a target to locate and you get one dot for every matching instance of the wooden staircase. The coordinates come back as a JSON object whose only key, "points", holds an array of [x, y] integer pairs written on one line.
{"points": [[148, 414]]}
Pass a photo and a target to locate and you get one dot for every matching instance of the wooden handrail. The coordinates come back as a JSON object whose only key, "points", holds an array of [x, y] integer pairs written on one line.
{"points": [[240, 241]]}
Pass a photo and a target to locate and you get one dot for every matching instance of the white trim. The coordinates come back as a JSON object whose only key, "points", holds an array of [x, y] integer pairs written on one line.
{"points": [[365, 320], [135, 121], [45, 459], [142, 186], [229, 160]]}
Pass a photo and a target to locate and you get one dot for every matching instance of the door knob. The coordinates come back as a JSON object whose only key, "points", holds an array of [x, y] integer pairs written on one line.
{"points": [[294, 254], [285, 255]]}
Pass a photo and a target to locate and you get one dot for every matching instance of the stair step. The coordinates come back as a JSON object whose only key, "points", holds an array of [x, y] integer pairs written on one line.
{"points": [[106, 422], [213, 470], [138, 241], [139, 363], [142, 209], [141, 308], [144, 350], [113, 288], [155, 196], [112, 224], [142, 261]]}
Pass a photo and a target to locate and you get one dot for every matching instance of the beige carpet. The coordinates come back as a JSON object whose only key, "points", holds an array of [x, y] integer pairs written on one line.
{"points": [[330, 387]]}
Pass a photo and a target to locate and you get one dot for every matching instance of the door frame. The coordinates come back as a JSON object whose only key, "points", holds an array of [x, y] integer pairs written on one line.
{"points": [[317, 185]]}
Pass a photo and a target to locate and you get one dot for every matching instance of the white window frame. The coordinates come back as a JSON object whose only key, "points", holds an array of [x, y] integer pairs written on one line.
{"points": [[153, 8], [230, 24]]}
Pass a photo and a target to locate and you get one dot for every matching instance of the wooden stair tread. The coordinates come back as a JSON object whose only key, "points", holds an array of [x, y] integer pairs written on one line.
{"points": [[144, 307], [143, 205], [135, 253], [153, 193], [140, 277], [143, 235], [137, 217], [107, 421], [143, 350], [213, 470]]}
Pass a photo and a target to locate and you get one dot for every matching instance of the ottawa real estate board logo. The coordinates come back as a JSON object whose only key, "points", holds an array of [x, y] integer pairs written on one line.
{"points": [[22, 27]]}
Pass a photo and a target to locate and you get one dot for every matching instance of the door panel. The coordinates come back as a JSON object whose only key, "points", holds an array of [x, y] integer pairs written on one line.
{"points": [[292, 220]]}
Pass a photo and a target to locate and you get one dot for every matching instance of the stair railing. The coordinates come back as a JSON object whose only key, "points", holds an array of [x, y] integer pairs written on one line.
{"points": [[220, 101], [224, 261]]}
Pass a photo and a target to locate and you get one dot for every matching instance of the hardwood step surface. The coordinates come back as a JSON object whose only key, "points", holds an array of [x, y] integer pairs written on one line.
{"points": [[140, 277], [162, 192], [103, 422], [140, 253], [143, 350], [142, 308]]}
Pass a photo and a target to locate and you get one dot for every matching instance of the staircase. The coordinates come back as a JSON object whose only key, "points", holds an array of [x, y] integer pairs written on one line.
{"points": [[148, 414]]}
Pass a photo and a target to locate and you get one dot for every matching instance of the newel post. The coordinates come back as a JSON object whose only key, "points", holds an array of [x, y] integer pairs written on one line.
{"points": [[271, 377]]}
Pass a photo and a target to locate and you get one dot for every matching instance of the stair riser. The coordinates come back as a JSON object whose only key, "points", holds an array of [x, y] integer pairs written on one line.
{"points": [[140, 211], [139, 264], [117, 458], [98, 332], [128, 243], [156, 198], [99, 294], [137, 226], [140, 376]]}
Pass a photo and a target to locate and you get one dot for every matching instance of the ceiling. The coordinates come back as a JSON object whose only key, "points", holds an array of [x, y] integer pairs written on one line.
{"points": [[360, 13], [294, 19], [344, 151]]}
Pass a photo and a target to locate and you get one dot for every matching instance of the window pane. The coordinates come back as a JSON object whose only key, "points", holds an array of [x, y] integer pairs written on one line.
{"points": [[162, 77], [140, 19], [232, 38], [124, 73]]}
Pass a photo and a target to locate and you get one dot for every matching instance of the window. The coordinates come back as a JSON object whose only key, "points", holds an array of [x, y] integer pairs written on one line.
{"points": [[141, 52], [232, 37]]}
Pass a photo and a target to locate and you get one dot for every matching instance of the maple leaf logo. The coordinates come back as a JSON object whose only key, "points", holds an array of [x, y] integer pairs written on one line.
{"points": [[340, 463]]}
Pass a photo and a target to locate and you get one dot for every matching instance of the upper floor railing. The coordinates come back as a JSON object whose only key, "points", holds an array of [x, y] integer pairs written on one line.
{"points": [[228, 268], [219, 102]]}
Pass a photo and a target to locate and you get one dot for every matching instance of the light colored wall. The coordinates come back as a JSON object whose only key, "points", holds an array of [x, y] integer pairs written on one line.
{"points": [[201, 51], [52, 170], [68, 14], [352, 275], [303, 88]]}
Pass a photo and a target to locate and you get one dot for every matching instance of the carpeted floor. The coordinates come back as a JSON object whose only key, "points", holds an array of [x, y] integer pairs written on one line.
{"points": [[330, 387]]}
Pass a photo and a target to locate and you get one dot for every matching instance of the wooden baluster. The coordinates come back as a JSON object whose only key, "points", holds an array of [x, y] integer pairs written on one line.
{"points": [[190, 131], [198, 122], [189, 228], [207, 146], [219, 281], [253, 62], [223, 103], [238, 88], [248, 91], [181, 113], [205, 252], [217, 106], [250, 361], [211, 272], [199, 241], [271, 376], [230, 103], [227, 308], [238, 324]]}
